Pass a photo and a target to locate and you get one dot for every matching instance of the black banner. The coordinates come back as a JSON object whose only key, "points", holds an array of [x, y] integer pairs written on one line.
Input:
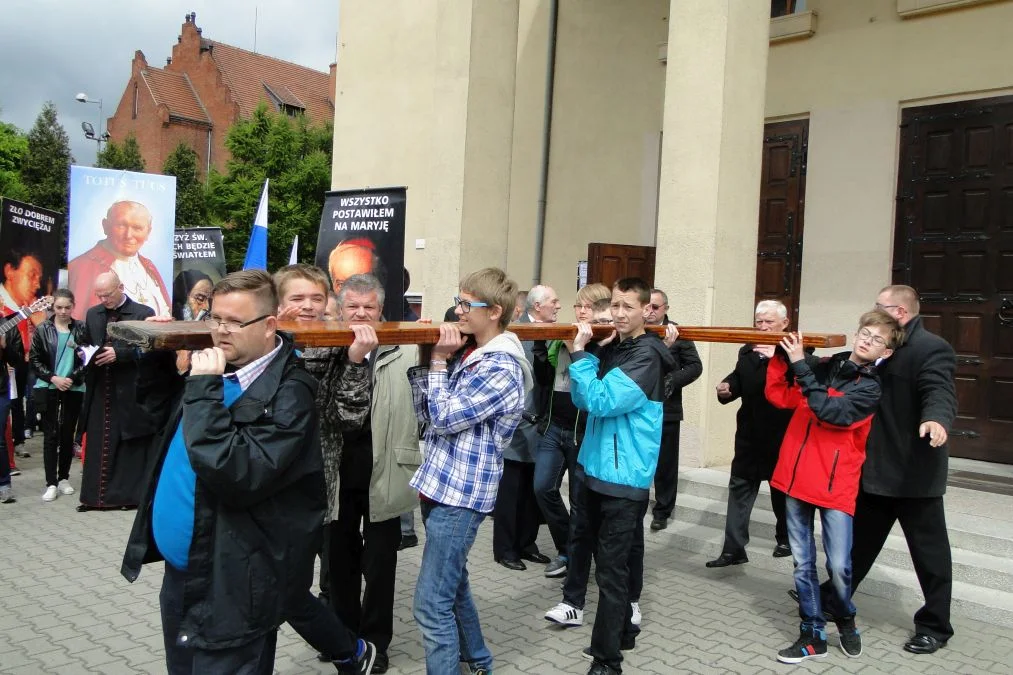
{"points": [[198, 263], [31, 252], [362, 232]]}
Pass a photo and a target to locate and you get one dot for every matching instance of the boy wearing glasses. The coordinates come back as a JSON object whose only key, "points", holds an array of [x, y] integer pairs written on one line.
{"points": [[471, 397], [820, 465]]}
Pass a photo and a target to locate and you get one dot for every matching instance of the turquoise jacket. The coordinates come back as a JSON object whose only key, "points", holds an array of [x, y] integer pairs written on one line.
{"points": [[623, 391]]}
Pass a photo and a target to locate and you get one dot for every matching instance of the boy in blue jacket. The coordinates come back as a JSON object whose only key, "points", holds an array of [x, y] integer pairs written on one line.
{"points": [[621, 387]]}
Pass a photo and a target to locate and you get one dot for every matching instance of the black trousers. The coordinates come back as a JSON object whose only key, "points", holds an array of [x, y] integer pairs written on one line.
{"points": [[516, 515], [59, 410], [923, 521], [666, 477], [364, 551], [613, 524], [19, 421], [582, 543], [741, 497], [253, 658]]}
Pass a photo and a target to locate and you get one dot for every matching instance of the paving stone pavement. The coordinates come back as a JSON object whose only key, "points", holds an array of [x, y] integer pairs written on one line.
{"points": [[64, 608]]}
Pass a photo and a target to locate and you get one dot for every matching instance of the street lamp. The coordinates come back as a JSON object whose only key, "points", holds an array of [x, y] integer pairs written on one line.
{"points": [[89, 130]]}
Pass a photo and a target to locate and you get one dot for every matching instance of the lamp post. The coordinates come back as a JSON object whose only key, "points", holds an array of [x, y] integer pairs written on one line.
{"points": [[89, 130]]}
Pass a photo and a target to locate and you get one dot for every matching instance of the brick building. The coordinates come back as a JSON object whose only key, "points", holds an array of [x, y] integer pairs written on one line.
{"points": [[203, 89]]}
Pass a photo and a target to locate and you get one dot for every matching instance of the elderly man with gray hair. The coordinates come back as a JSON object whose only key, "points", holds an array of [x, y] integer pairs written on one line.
{"points": [[517, 516], [759, 430]]}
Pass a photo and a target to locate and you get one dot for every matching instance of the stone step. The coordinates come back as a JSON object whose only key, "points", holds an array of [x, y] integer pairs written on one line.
{"points": [[968, 566], [982, 569], [976, 521]]}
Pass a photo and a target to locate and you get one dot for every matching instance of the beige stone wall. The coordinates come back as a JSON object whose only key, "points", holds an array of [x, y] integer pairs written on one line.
{"points": [[852, 79], [608, 107]]}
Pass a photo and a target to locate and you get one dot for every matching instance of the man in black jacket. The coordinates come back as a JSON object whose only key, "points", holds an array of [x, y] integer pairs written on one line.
{"points": [[759, 430], [688, 368], [904, 476], [236, 502]]}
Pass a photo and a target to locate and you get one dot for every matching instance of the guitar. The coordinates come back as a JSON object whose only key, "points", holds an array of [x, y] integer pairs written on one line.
{"points": [[40, 305]]}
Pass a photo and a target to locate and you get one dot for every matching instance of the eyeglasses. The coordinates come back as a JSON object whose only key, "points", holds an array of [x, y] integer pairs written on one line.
{"points": [[584, 307], [231, 326], [656, 307], [867, 335], [466, 305], [887, 307], [596, 322]]}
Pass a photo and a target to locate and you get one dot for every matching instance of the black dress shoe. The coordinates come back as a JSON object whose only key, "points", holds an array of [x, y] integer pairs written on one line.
{"points": [[923, 644], [81, 508], [512, 564], [782, 551], [726, 559], [535, 557], [659, 524], [408, 541], [381, 664]]}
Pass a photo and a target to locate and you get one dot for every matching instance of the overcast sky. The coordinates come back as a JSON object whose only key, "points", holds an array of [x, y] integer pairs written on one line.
{"points": [[52, 49]]}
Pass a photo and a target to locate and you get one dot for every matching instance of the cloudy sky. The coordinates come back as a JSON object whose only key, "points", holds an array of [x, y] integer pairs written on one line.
{"points": [[52, 49]]}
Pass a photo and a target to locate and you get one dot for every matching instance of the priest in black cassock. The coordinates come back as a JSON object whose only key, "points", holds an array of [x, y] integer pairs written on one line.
{"points": [[122, 408]]}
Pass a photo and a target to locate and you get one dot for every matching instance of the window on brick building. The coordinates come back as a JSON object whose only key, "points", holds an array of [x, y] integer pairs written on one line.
{"points": [[133, 113]]}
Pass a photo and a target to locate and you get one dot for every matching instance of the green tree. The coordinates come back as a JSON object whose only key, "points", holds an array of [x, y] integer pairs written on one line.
{"points": [[45, 168], [125, 156], [296, 157], [191, 203], [13, 146]]}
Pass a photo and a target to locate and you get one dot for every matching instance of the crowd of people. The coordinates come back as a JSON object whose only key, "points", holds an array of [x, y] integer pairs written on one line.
{"points": [[247, 460]]}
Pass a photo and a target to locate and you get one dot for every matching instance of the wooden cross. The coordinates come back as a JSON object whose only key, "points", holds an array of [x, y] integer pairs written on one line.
{"points": [[196, 335]]}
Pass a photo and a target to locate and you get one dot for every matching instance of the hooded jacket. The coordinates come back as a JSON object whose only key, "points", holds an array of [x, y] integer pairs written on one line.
{"points": [[622, 388], [471, 411], [824, 447]]}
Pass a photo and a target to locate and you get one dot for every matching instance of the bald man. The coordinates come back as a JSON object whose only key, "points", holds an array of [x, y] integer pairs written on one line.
{"points": [[127, 226], [120, 419]]}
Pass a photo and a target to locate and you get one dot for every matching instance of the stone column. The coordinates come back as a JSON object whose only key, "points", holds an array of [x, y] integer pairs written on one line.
{"points": [[709, 192], [425, 98]]}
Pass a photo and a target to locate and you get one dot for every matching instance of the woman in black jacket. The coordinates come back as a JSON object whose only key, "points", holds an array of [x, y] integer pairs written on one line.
{"points": [[59, 389]]}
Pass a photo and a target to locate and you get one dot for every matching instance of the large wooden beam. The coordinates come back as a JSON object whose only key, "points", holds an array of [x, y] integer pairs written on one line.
{"points": [[195, 334]]}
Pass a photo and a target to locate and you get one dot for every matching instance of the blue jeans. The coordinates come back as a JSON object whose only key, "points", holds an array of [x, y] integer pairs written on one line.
{"points": [[556, 452], [836, 545], [443, 608]]}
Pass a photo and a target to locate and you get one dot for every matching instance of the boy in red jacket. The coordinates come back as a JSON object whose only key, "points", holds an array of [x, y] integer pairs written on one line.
{"points": [[820, 465]]}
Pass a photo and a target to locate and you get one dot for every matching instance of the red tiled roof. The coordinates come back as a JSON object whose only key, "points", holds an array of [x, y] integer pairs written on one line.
{"points": [[176, 92], [250, 76]]}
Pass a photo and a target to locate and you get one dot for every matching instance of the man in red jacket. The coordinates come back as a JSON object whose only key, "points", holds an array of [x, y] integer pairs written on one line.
{"points": [[820, 466]]}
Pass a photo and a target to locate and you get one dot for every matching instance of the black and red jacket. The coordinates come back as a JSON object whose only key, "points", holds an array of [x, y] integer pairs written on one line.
{"points": [[821, 457]]}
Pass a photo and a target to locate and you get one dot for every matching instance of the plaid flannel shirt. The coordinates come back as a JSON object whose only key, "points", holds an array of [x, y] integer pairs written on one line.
{"points": [[470, 416]]}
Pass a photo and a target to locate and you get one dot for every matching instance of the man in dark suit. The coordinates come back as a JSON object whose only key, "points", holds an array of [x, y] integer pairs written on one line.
{"points": [[904, 476], [117, 419], [516, 517]]}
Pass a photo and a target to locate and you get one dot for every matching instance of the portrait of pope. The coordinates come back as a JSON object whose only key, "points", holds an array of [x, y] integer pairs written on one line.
{"points": [[127, 226]]}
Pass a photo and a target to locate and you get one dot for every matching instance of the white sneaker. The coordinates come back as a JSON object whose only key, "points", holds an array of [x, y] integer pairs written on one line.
{"points": [[565, 615], [637, 616], [7, 495], [65, 487], [50, 494]]}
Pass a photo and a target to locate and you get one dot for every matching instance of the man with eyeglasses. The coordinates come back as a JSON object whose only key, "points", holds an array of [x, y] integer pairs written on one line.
{"points": [[236, 500], [118, 417], [688, 368], [904, 477], [470, 396]]}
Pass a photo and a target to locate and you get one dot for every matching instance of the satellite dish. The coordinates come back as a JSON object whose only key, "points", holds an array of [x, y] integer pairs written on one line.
{"points": [[89, 130]]}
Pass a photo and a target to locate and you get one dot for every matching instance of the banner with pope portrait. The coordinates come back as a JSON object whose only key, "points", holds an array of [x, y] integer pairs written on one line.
{"points": [[121, 221]]}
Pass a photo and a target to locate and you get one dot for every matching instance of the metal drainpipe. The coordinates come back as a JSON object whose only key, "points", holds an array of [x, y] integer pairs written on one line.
{"points": [[543, 181]]}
